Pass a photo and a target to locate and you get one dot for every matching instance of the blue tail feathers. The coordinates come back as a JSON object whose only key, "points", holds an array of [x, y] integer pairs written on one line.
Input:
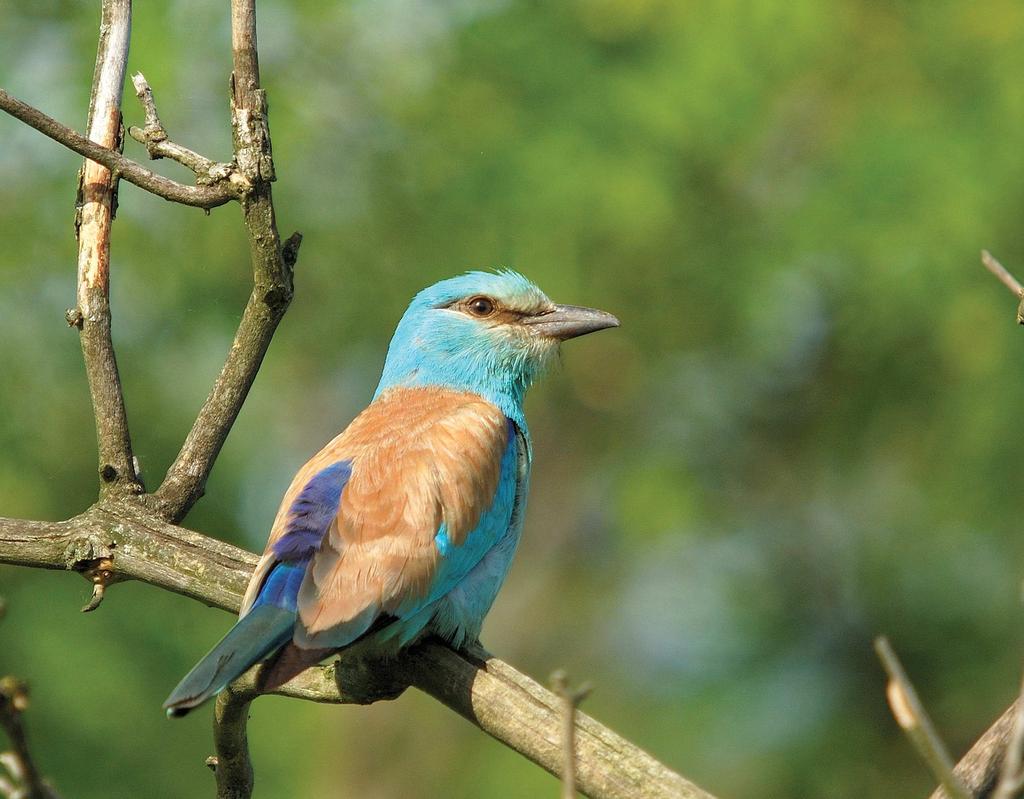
{"points": [[265, 629]]}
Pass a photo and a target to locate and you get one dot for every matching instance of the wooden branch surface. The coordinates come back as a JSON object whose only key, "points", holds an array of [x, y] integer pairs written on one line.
{"points": [[504, 703], [97, 200], [198, 196], [979, 768]]}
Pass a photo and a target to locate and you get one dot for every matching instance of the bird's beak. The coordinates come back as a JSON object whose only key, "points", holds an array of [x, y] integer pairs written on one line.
{"points": [[569, 321]]}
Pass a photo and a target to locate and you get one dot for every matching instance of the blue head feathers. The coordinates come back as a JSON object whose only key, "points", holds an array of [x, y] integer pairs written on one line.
{"points": [[491, 333]]}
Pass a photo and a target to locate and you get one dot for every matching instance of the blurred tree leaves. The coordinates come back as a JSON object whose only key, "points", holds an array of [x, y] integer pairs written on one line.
{"points": [[804, 433]]}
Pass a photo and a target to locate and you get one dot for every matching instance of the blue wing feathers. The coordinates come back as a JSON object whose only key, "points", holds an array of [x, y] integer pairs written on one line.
{"points": [[312, 512], [271, 622]]}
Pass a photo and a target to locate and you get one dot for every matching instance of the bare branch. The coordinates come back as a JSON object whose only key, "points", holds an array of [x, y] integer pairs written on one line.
{"points": [[912, 718], [272, 266], [1011, 776], [1002, 273], [97, 199], [489, 693], [571, 699], [1007, 280], [159, 145], [25, 780], [232, 765], [197, 196], [979, 768]]}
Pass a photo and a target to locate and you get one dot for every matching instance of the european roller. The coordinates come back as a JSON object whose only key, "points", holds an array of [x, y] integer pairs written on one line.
{"points": [[406, 523]]}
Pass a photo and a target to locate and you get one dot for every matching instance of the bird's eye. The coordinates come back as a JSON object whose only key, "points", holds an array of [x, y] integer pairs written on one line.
{"points": [[480, 306]]}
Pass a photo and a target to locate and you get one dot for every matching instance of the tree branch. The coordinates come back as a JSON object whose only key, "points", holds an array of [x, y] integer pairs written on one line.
{"points": [[505, 704], [97, 199], [1007, 279], [132, 171], [571, 699], [979, 768], [913, 719], [272, 266], [159, 145], [232, 765], [1011, 773], [21, 766], [25, 780]]}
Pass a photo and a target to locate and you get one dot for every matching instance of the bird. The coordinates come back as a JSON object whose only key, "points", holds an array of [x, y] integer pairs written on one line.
{"points": [[406, 523]]}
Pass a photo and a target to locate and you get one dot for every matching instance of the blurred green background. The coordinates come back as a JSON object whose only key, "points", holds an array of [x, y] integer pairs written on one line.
{"points": [[805, 433]]}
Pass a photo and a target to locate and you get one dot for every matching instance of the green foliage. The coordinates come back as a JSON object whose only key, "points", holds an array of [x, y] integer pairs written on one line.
{"points": [[804, 434]]}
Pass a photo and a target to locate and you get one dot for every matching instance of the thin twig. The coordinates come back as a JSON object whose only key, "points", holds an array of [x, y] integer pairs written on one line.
{"points": [[912, 718], [159, 145], [198, 196], [571, 700], [1002, 273], [97, 199], [272, 265]]}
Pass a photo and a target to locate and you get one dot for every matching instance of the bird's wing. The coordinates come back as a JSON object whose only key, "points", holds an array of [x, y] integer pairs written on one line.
{"points": [[426, 470]]}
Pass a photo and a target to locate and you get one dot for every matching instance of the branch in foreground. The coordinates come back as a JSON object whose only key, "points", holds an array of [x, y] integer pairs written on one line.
{"points": [[1011, 775], [272, 266], [979, 768], [97, 198], [25, 780], [912, 718], [197, 196], [232, 765], [1007, 279], [571, 698], [489, 693], [19, 762]]}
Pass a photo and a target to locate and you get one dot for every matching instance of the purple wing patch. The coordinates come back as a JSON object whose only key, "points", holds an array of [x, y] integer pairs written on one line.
{"points": [[312, 513]]}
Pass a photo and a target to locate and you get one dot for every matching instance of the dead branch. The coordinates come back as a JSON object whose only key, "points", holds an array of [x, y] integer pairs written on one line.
{"points": [[979, 768], [132, 171], [571, 698], [1011, 773], [97, 198], [24, 780], [913, 719], [231, 766], [159, 145]]}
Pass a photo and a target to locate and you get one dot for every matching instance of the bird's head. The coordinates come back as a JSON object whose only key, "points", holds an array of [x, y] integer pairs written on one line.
{"points": [[492, 333]]}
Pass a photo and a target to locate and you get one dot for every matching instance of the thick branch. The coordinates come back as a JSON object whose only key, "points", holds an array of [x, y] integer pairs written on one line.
{"points": [[132, 171], [491, 694], [97, 198], [272, 266], [232, 765]]}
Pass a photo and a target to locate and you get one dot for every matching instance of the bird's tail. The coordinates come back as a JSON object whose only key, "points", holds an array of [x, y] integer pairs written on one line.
{"points": [[264, 629]]}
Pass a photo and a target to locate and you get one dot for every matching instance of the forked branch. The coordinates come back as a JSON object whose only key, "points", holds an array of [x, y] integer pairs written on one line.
{"points": [[132, 171]]}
